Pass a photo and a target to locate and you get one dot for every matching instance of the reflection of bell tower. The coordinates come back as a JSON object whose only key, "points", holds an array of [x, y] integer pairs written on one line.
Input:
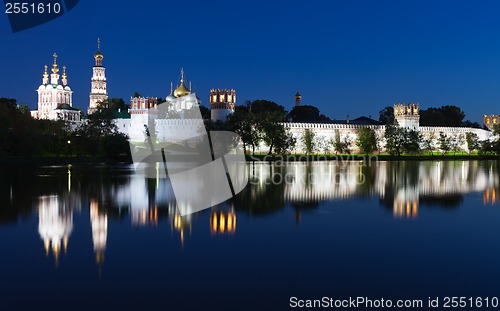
{"points": [[99, 224]]}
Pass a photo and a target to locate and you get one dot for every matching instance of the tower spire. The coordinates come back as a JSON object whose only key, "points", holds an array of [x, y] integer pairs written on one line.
{"points": [[98, 43], [55, 69], [45, 79], [171, 87], [182, 75], [64, 77]]}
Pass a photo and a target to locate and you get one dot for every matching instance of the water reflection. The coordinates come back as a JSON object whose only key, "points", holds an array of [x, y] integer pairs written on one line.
{"points": [[222, 222], [99, 222], [55, 224], [117, 193], [400, 186]]}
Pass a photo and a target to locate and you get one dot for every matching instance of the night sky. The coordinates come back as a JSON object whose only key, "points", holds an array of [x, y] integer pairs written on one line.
{"points": [[345, 57]]}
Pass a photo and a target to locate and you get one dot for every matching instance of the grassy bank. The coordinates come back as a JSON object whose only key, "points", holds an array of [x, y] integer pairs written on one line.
{"points": [[370, 157]]}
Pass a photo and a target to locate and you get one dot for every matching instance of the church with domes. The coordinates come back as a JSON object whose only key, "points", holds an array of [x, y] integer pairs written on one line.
{"points": [[181, 98], [55, 97]]}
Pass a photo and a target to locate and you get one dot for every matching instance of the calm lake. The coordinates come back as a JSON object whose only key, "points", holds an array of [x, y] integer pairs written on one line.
{"points": [[95, 238]]}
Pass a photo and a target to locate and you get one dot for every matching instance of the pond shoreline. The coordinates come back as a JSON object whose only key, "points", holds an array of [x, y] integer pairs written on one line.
{"points": [[249, 158], [369, 157]]}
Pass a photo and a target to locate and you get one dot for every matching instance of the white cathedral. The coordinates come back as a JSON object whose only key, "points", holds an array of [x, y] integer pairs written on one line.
{"points": [[55, 97]]}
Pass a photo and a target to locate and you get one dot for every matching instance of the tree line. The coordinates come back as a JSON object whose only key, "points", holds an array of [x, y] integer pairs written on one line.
{"points": [[256, 122], [21, 135]]}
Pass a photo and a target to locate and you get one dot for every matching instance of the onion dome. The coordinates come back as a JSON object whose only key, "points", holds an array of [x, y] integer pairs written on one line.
{"points": [[182, 90]]}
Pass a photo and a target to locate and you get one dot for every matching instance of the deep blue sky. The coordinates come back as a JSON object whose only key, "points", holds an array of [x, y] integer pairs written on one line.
{"points": [[345, 57]]}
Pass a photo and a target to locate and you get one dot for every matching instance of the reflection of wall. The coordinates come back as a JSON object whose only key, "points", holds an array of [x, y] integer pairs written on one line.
{"points": [[311, 181], [405, 208], [55, 224], [490, 196], [222, 222], [403, 183]]}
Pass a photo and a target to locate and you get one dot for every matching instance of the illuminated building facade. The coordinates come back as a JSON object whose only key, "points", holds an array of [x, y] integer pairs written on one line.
{"points": [[491, 120], [222, 103], [55, 97], [98, 91], [407, 115]]}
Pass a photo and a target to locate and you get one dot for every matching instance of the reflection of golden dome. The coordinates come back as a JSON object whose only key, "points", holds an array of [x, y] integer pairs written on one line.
{"points": [[182, 90]]}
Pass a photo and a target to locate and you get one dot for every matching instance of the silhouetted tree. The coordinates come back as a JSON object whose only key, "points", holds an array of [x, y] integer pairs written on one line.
{"points": [[386, 115], [306, 114], [366, 140]]}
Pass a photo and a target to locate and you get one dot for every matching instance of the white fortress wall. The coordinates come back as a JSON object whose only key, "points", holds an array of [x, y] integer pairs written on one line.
{"points": [[178, 129], [325, 132]]}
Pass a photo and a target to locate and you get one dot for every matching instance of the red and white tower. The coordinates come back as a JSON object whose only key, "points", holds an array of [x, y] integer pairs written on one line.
{"points": [[222, 103]]}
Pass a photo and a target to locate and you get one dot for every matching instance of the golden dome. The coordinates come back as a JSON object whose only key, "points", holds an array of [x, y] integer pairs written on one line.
{"points": [[182, 90]]}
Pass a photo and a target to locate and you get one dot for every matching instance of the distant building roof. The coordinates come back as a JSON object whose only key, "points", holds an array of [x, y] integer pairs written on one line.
{"points": [[121, 114], [116, 114]]}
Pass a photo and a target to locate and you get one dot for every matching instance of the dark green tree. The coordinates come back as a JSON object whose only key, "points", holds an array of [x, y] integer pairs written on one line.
{"points": [[445, 143], [308, 141], [366, 140], [386, 115], [412, 140], [306, 113], [428, 143], [272, 128], [442, 116], [472, 141], [265, 106], [244, 124], [394, 137], [267, 117]]}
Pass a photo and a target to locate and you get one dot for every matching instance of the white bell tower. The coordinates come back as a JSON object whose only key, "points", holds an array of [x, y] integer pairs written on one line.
{"points": [[98, 92]]}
